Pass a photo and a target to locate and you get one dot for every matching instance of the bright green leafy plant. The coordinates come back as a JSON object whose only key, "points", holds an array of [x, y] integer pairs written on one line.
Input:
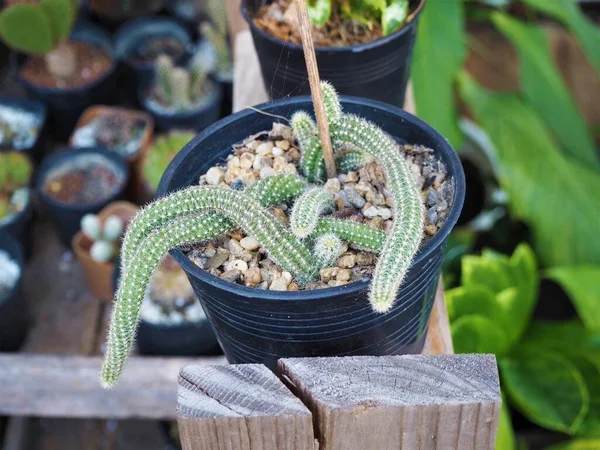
{"points": [[310, 244], [161, 154], [42, 29]]}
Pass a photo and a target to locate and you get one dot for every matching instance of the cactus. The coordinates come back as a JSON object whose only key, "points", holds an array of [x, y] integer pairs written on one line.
{"points": [[105, 236], [203, 212], [178, 88], [352, 160], [161, 154], [15, 174], [307, 210], [312, 164], [42, 29], [215, 30]]}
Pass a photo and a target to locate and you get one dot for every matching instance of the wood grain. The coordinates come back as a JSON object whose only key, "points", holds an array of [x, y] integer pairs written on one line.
{"points": [[243, 407], [59, 386], [399, 402]]}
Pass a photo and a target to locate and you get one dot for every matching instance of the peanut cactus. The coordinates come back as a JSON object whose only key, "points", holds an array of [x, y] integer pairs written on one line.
{"points": [[201, 212], [307, 210], [352, 160], [42, 29], [312, 163], [178, 88]]}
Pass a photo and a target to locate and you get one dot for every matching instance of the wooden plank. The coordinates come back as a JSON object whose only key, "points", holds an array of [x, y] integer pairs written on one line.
{"points": [[439, 339], [243, 407], [68, 387], [399, 402]]}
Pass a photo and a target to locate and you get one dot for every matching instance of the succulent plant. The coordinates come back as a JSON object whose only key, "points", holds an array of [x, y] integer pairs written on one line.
{"points": [[42, 29], [105, 236], [309, 244], [15, 174], [161, 154], [178, 88], [215, 30]]}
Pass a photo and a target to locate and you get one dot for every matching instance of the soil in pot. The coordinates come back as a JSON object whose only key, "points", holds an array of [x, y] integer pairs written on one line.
{"points": [[279, 19], [121, 133], [87, 179], [15, 193], [360, 196], [91, 64], [19, 128]]}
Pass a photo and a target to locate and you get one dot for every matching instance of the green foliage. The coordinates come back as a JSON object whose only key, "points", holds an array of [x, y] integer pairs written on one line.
{"points": [[178, 88], [37, 28], [161, 154], [577, 444], [439, 55], [505, 438], [319, 11], [15, 171], [554, 196], [545, 90], [582, 283]]}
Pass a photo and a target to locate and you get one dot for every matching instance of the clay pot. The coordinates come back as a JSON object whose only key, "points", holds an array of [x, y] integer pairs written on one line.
{"points": [[99, 274], [134, 160]]}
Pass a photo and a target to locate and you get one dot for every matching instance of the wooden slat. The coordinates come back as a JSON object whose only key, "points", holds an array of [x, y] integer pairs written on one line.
{"points": [[399, 402], [439, 339], [243, 407], [56, 386]]}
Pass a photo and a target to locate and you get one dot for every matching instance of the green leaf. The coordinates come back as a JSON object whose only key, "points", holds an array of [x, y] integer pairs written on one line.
{"points": [[582, 283], [545, 89], [319, 12], [558, 199], [438, 57], [61, 15], [26, 28], [478, 334], [546, 387], [570, 15], [480, 271], [505, 438], [473, 300], [562, 334], [393, 16], [523, 267], [577, 444]]}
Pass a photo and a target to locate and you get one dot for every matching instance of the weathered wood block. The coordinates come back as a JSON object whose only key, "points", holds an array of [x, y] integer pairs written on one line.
{"points": [[399, 402], [243, 407]]}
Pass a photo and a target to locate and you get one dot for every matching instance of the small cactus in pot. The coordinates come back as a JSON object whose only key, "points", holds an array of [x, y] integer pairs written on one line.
{"points": [[215, 30], [43, 28], [15, 174], [310, 243], [104, 235]]}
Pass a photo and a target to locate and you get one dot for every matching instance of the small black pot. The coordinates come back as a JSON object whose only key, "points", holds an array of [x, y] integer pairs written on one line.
{"points": [[260, 326], [68, 217], [38, 109], [227, 96], [136, 33], [378, 70], [185, 339], [66, 105], [14, 318], [196, 119], [20, 226]]}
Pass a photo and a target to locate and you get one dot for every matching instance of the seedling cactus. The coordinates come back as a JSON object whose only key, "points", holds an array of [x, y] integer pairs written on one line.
{"points": [[42, 29], [15, 173], [105, 236], [178, 88], [310, 243], [215, 31], [161, 154]]}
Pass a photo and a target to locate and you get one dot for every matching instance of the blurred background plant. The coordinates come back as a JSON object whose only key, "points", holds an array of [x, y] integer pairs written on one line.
{"points": [[15, 174], [533, 177]]}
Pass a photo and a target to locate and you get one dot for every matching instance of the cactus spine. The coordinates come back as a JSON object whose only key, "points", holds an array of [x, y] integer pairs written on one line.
{"points": [[359, 235], [352, 160], [307, 210], [312, 164]]}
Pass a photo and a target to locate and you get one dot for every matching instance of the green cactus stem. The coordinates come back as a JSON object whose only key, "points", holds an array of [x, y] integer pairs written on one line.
{"points": [[268, 192], [326, 250], [352, 160], [178, 88], [407, 229], [308, 208], [359, 235], [312, 164]]}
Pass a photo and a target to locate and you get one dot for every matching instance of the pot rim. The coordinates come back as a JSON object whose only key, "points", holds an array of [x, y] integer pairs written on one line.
{"points": [[57, 158], [350, 288], [11, 245], [9, 220], [80, 34], [345, 48]]}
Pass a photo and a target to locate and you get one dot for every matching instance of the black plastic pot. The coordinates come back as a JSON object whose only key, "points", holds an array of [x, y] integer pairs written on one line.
{"points": [[20, 226], [377, 70], [195, 119], [227, 96], [185, 339], [138, 32], [36, 149], [14, 318], [68, 217], [259, 326], [66, 105]]}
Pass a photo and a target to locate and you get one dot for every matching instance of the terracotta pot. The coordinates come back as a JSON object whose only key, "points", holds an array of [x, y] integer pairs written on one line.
{"points": [[99, 274], [134, 160]]}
